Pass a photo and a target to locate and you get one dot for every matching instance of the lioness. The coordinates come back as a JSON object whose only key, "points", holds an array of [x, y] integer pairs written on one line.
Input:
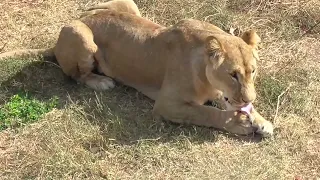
{"points": [[180, 67]]}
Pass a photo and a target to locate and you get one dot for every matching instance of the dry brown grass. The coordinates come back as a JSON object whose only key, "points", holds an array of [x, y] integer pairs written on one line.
{"points": [[111, 135]]}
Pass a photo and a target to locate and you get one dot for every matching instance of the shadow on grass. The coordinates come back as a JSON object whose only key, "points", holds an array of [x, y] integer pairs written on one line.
{"points": [[124, 115]]}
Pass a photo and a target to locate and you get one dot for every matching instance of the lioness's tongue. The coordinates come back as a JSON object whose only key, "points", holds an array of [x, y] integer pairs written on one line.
{"points": [[248, 108]]}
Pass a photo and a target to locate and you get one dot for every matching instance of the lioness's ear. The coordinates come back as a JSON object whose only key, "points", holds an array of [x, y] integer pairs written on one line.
{"points": [[214, 50], [251, 38]]}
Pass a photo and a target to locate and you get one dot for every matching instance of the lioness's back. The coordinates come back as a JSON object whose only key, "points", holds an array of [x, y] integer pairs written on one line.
{"points": [[117, 23]]}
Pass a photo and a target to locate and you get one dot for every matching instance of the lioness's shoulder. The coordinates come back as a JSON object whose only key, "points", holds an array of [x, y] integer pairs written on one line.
{"points": [[193, 24], [191, 31]]}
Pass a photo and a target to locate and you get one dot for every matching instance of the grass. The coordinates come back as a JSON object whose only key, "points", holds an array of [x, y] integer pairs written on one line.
{"points": [[22, 109], [112, 135]]}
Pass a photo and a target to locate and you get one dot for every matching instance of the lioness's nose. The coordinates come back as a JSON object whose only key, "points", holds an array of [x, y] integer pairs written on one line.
{"points": [[249, 98], [245, 101]]}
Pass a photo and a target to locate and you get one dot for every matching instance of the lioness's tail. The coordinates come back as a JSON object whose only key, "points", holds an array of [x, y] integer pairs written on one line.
{"points": [[25, 53]]}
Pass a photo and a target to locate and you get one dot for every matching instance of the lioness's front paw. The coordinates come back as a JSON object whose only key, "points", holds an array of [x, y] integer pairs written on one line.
{"points": [[240, 124], [265, 128]]}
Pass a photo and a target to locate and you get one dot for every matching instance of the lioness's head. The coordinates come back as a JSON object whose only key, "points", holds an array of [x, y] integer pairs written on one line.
{"points": [[231, 66]]}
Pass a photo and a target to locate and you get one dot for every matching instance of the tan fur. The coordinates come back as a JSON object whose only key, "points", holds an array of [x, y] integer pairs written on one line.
{"points": [[25, 53], [180, 67], [117, 5]]}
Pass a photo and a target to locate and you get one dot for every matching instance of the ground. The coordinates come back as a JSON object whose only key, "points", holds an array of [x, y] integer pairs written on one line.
{"points": [[111, 134]]}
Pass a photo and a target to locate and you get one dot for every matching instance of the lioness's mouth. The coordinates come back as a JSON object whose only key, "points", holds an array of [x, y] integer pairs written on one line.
{"points": [[233, 104], [227, 100]]}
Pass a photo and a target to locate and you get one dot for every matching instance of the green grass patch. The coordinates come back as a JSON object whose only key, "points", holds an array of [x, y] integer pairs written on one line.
{"points": [[22, 109]]}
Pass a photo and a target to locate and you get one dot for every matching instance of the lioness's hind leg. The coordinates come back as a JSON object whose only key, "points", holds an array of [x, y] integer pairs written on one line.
{"points": [[94, 81], [75, 51]]}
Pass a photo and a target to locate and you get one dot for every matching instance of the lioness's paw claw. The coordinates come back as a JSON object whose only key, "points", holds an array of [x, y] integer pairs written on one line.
{"points": [[265, 129]]}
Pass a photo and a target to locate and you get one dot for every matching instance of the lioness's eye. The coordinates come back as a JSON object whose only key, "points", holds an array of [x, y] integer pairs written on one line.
{"points": [[253, 71], [234, 76]]}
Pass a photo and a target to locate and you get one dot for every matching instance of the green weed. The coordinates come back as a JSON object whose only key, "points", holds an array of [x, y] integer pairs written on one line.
{"points": [[22, 109]]}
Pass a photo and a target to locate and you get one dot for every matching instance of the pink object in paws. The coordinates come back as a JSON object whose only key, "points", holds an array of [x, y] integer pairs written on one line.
{"points": [[247, 109]]}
